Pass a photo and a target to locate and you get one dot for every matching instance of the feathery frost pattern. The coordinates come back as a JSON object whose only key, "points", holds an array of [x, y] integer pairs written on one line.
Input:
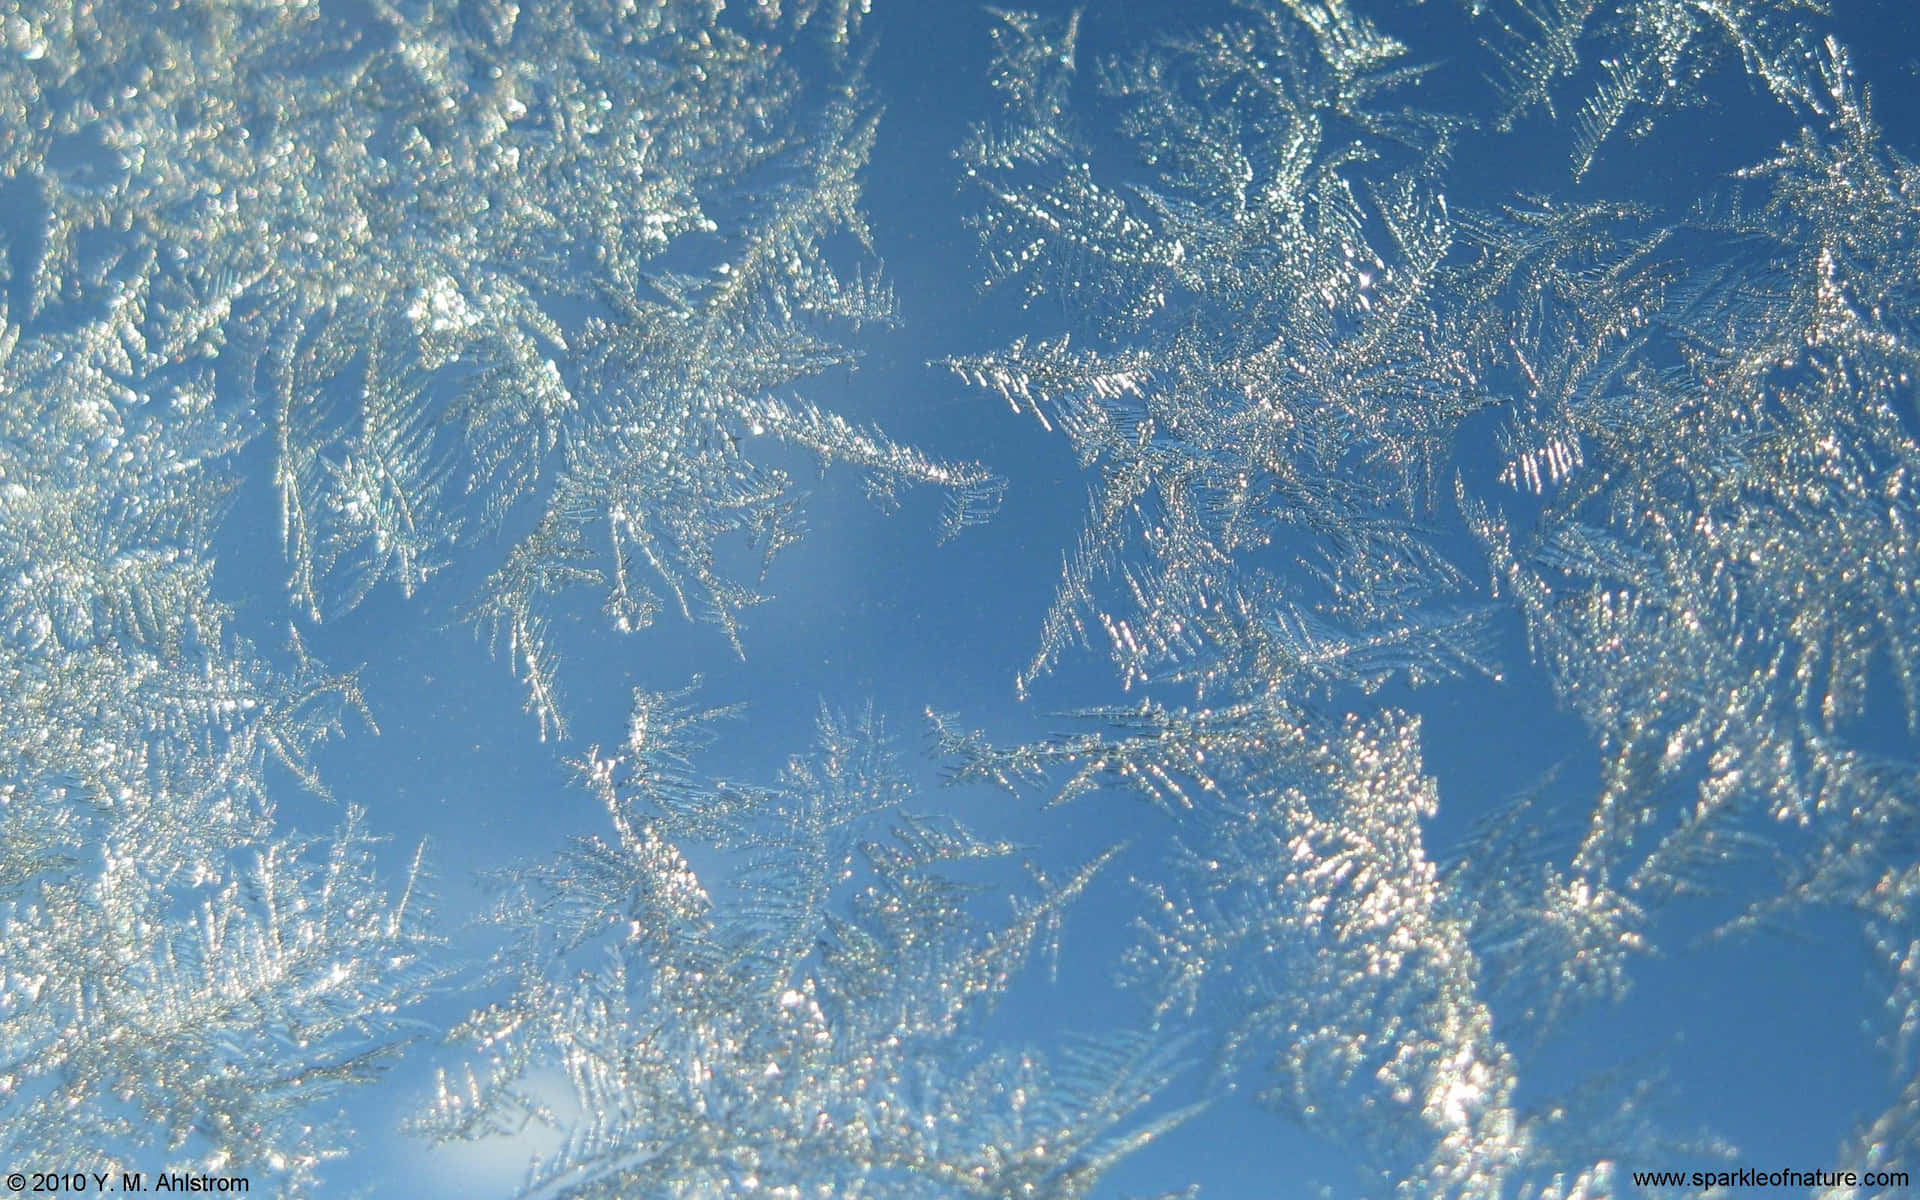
{"points": [[804, 1030], [1648, 55], [565, 257], [1287, 344], [179, 983], [524, 319], [1262, 356], [450, 265]]}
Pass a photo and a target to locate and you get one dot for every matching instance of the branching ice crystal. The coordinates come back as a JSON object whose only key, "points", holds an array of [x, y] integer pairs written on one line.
{"points": [[1650, 55], [1337, 962], [1728, 577], [565, 256], [1700, 510], [1273, 379], [1683, 598], [558, 276], [176, 978], [804, 1030]]}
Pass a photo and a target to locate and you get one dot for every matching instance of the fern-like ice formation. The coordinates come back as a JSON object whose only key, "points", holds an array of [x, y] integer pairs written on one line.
{"points": [[1728, 577], [1284, 338], [1329, 956], [807, 1028], [177, 977], [1630, 61], [554, 279], [569, 257], [1272, 378]]}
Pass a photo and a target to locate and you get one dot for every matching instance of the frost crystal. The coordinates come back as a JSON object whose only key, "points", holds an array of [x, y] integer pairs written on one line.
{"points": [[176, 978], [1682, 440], [1271, 373], [532, 303], [564, 258], [1650, 54], [805, 1030]]}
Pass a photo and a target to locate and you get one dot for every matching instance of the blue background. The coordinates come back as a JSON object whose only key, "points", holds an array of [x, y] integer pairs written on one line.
{"points": [[1768, 1043]]}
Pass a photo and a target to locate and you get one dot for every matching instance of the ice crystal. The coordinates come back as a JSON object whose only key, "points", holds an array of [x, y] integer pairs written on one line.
{"points": [[1272, 377], [1721, 586], [804, 1029], [1700, 512], [568, 258], [179, 978], [1337, 963], [1677, 595], [1650, 55], [538, 294]]}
